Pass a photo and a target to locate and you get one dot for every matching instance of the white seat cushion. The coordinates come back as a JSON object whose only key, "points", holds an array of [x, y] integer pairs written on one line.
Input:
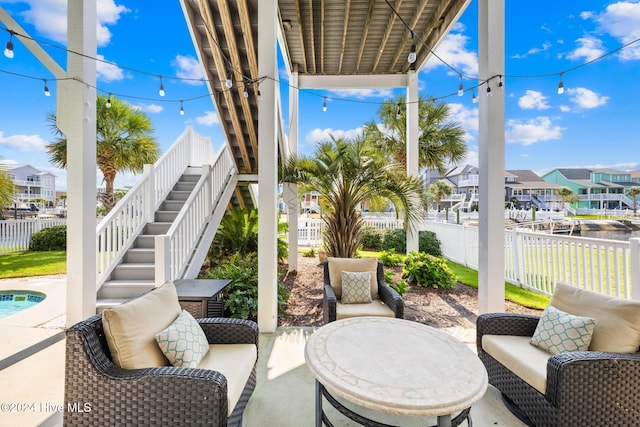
{"points": [[523, 359], [130, 328], [338, 265], [374, 308], [235, 362]]}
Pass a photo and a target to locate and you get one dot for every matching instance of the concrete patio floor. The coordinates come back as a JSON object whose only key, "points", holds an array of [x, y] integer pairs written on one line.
{"points": [[32, 378]]}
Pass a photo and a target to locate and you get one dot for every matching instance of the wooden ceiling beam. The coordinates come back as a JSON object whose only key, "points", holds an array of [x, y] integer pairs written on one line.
{"points": [[345, 27], [387, 33], [313, 37], [365, 33], [301, 36], [414, 21], [322, 23]]}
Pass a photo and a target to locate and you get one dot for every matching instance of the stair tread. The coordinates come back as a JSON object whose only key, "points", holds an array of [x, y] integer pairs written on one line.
{"points": [[132, 282], [135, 264]]}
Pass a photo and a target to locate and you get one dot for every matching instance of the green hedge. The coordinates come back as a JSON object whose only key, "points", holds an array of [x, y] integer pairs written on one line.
{"points": [[49, 239]]}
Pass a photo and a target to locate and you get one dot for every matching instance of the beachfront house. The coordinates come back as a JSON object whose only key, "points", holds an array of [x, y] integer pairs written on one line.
{"points": [[595, 188], [32, 183], [531, 190]]}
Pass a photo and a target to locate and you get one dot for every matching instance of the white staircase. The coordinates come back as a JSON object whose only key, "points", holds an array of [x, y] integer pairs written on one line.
{"points": [[161, 230]]}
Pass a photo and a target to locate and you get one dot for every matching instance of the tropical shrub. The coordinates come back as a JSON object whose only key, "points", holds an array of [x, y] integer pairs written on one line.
{"points": [[400, 287], [49, 239], [394, 239], [390, 258], [426, 270], [241, 296], [371, 238], [308, 253], [428, 242]]}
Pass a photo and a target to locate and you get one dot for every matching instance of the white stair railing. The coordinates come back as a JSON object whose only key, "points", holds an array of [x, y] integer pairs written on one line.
{"points": [[175, 248], [117, 231]]}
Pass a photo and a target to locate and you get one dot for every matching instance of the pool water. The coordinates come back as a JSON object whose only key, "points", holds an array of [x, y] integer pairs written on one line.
{"points": [[12, 302]]}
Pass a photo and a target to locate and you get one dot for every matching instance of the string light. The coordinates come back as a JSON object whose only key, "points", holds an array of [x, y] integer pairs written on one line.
{"points": [[489, 90], [108, 104], [245, 92], [181, 108], [398, 112], [161, 91], [474, 98], [460, 87], [8, 50], [229, 81], [500, 87], [46, 89], [324, 104], [259, 95], [412, 54], [560, 86]]}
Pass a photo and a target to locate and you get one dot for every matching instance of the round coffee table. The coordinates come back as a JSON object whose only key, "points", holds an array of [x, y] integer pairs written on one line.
{"points": [[395, 366]]}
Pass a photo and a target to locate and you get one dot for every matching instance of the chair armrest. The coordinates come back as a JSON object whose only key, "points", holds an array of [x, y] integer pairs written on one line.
{"points": [[392, 299], [224, 330], [505, 324], [591, 382], [329, 302]]}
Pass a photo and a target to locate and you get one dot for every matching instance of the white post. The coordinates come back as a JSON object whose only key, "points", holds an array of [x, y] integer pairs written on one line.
{"points": [[290, 191], [77, 119], [413, 129], [162, 247], [634, 254], [491, 157], [268, 166], [150, 196]]}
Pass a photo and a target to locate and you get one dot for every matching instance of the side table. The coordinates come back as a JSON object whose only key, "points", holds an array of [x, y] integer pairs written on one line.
{"points": [[202, 297]]}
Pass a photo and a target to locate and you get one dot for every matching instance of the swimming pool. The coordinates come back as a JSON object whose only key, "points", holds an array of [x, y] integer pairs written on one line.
{"points": [[12, 302]]}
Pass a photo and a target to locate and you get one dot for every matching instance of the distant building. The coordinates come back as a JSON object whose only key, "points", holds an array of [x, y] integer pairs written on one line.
{"points": [[31, 183], [531, 190]]}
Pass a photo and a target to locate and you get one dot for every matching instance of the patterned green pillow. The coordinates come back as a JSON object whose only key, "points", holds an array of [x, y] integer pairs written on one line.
{"points": [[356, 287], [183, 342], [560, 332]]}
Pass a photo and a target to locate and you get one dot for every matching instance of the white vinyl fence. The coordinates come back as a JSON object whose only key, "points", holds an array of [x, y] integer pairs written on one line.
{"points": [[537, 260], [16, 235], [310, 229]]}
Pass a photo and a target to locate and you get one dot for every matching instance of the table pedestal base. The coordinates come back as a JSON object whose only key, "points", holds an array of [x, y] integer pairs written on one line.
{"points": [[321, 417]]}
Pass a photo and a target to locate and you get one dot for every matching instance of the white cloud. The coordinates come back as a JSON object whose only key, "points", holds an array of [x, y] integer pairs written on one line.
{"points": [[586, 99], [452, 50], [467, 117], [150, 108], [318, 135], [532, 131], [210, 118], [189, 67], [588, 48], [533, 51], [108, 72], [565, 108], [533, 100], [23, 142], [50, 18], [363, 93], [622, 21]]}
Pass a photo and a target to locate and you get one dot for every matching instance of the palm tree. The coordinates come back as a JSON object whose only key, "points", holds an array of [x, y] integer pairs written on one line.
{"points": [[440, 141], [633, 192], [440, 190], [125, 142], [7, 189], [566, 194], [346, 173]]}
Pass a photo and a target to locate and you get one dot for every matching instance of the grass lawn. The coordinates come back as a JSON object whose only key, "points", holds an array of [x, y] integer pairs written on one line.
{"points": [[469, 277], [27, 264]]}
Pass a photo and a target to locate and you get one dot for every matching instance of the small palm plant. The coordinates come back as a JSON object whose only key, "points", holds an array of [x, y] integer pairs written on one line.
{"points": [[633, 193], [347, 173]]}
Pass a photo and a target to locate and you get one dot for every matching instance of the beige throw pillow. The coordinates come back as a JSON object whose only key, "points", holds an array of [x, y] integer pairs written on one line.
{"points": [[184, 342], [617, 320], [130, 328], [356, 287], [560, 332], [338, 265]]}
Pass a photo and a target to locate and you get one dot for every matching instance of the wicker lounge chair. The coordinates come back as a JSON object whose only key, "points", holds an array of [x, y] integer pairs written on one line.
{"points": [[150, 396], [579, 388], [386, 301]]}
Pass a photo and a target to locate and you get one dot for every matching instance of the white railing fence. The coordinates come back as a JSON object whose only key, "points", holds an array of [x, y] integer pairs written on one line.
{"points": [[174, 249], [310, 230], [117, 231], [16, 235], [537, 261]]}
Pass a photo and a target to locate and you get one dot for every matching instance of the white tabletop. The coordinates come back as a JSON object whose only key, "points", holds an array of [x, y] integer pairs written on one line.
{"points": [[396, 366]]}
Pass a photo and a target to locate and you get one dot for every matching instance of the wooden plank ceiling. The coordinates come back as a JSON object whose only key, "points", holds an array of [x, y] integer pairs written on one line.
{"points": [[321, 37]]}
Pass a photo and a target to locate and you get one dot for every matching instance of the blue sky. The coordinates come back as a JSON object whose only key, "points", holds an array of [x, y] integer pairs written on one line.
{"points": [[593, 124]]}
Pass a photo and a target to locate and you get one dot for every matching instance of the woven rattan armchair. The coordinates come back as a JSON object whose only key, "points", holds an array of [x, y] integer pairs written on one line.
{"points": [[152, 396], [583, 388], [388, 295]]}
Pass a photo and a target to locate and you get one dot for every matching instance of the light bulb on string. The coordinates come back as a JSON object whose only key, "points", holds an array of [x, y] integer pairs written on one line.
{"points": [[500, 85], [560, 86], [245, 92], [412, 54], [108, 104], [181, 109], [324, 104], [161, 90], [474, 98], [8, 50], [398, 112], [460, 87], [489, 90], [229, 81], [46, 89], [259, 95]]}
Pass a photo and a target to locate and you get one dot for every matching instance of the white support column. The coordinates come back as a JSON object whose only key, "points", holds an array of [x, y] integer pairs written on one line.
{"points": [[491, 157], [290, 191], [413, 128], [634, 254], [267, 169], [76, 114]]}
